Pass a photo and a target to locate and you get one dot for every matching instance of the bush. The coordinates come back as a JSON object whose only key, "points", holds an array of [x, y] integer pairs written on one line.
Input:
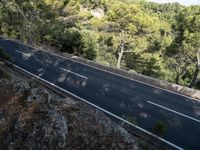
{"points": [[79, 43], [159, 128], [88, 46], [3, 55], [4, 74]]}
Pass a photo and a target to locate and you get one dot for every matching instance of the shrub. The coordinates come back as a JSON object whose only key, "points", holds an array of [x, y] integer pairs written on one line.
{"points": [[3, 55], [159, 128]]}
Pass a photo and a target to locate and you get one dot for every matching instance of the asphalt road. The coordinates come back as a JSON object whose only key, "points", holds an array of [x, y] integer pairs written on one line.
{"points": [[143, 104]]}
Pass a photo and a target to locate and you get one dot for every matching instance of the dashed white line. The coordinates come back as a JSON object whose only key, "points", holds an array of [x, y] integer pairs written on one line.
{"points": [[119, 75], [171, 110], [74, 73], [129, 78], [25, 54]]}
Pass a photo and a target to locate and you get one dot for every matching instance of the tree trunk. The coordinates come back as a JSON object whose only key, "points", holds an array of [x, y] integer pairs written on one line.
{"points": [[120, 54], [195, 76], [196, 73], [119, 59], [177, 78]]}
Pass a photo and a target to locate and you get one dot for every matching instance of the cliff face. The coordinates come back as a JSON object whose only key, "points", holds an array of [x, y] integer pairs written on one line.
{"points": [[34, 118]]}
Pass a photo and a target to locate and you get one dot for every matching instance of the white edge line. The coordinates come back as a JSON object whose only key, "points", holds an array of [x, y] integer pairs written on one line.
{"points": [[108, 71], [124, 76], [171, 110], [145, 131], [74, 73]]}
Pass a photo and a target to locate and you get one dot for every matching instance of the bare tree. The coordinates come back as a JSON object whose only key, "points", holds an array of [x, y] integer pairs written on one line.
{"points": [[121, 50]]}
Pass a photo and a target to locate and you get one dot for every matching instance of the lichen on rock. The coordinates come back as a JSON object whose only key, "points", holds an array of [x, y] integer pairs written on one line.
{"points": [[36, 118]]}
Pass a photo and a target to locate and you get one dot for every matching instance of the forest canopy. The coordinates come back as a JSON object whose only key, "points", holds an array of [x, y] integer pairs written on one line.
{"points": [[157, 40]]}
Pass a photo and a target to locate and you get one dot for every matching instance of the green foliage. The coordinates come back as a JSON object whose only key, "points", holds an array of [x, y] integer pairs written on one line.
{"points": [[159, 128], [158, 40], [144, 64], [4, 74], [79, 43], [185, 46], [70, 41], [3, 55], [152, 68], [88, 45]]}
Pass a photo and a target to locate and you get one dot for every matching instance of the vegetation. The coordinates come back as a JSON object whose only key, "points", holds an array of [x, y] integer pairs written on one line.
{"points": [[3, 55], [158, 40], [159, 128], [4, 74]]}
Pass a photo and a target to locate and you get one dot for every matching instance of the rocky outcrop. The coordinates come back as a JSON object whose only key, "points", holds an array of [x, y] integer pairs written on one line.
{"points": [[98, 12], [35, 118]]}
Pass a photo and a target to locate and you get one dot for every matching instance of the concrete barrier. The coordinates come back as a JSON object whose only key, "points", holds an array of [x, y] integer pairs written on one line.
{"points": [[170, 87]]}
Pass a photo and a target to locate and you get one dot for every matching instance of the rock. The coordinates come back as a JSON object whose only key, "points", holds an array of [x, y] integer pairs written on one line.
{"points": [[21, 86], [38, 95], [48, 133], [36, 118], [98, 12], [2, 121]]}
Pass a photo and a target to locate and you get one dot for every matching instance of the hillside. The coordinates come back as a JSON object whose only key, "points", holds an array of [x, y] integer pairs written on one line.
{"points": [[33, 117], [158, 40]]}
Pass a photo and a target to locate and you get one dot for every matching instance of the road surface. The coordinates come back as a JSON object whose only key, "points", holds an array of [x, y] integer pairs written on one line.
{"points": [[131, 100]]}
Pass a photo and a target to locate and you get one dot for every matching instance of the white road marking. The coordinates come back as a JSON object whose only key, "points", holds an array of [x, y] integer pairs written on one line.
{"points": [[74, 73], [105, 111], [171, 110], [25, 54], [129, 78]]}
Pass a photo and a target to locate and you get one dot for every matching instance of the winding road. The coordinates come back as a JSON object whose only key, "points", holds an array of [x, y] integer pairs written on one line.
{"points": [[120, 96]]}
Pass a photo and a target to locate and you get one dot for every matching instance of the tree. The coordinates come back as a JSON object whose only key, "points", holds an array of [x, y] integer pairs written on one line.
{"points": [[122, 49], [191, 45], [152, 68], [134, 61], [71, 41], [186, 44], [158, 40], [178, 66], [79, 43], [88, 46]]}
